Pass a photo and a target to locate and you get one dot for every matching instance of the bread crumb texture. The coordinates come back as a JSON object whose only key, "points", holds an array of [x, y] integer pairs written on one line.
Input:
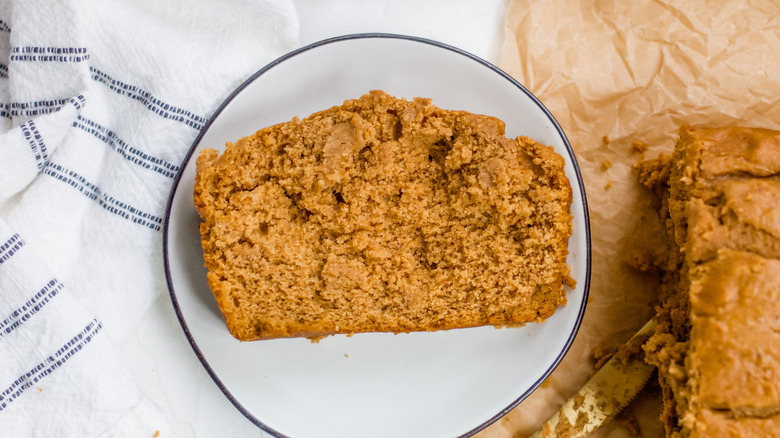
{"points": [[383, 215]]}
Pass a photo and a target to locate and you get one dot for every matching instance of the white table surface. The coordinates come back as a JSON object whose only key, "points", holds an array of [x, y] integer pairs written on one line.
{"points": [[166, 367]]}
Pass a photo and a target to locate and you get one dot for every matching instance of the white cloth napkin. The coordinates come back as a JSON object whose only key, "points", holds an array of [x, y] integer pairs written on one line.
{"points": [[99, 102]]}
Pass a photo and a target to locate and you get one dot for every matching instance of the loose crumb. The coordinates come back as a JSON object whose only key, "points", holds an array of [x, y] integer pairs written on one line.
{"points": [[641, 259], [638, 147], [346, 355], [564, 428], [40, 389], [601, 354], [156, 434], [578, 401]]}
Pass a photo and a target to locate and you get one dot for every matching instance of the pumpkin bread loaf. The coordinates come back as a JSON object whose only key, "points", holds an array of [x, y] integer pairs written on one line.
{"points": [[718, 343]]}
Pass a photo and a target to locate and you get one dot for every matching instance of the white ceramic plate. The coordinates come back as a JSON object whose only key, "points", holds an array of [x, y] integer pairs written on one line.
{"points": [[443, 384]]}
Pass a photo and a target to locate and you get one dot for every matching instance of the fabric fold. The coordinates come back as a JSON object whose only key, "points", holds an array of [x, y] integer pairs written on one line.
{"points": [[99, 103]]}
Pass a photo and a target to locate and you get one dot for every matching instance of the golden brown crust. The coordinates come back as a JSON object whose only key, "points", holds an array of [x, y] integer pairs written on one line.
{"points": [[718, 339], [719, 424], [735, 343], [735, 151], [738, 214], [383, 215]]}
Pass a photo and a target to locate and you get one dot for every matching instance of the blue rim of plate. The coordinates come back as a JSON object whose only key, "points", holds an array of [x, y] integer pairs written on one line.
{"points": [[272, 64]]}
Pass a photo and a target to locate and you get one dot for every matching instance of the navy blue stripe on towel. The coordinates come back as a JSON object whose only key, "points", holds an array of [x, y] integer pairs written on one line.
{"points": [[33, 144], [30, 308], [48, 54], [9, 248], [78, 101], [51, 363], [107, 202], [130, 153], [40, 107], [34, 138], [152, 103]]}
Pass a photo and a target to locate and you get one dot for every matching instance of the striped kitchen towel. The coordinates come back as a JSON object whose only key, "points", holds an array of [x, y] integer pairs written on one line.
{"points": [[99, 103]]}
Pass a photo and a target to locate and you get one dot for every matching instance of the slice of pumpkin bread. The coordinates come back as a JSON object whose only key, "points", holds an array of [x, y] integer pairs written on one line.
{"points": [[383, 215]]}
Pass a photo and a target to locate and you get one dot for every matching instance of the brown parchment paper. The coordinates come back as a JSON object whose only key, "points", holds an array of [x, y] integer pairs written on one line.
{"points": [[633, 71]]}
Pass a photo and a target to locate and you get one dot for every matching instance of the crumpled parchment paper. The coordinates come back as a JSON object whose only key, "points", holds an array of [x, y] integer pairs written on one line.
{"points": [[614, 74]]}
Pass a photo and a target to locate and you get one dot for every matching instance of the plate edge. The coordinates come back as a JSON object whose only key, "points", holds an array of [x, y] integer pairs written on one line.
{"points": [[348, 37]]}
